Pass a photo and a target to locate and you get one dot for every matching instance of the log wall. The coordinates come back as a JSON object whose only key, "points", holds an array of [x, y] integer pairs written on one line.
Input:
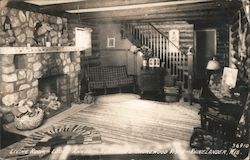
{"points": [[222, 49], [240, 46], [186, 32]]}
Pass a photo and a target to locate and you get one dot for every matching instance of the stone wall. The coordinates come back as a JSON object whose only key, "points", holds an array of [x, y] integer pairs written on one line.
{"points": [[18, 84], [20, 29], [20, 74]]}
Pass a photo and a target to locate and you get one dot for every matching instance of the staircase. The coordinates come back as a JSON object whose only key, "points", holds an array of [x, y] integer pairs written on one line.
{"points": [[176, 63]]}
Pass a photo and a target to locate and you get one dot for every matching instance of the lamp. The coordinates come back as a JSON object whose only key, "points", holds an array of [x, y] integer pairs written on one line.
{"points": [[213, 65]]}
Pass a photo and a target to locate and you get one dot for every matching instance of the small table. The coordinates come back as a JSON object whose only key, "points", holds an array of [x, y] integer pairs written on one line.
{"points": [[151, 80]]}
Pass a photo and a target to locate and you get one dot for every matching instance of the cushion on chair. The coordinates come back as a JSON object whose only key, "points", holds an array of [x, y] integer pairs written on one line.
{"points": [[112, 83], [128, 80], [96, 84], [109, 77], [95, 74]]}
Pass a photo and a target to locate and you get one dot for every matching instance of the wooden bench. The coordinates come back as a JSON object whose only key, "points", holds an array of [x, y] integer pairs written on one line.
{"points": [[109, 77]]}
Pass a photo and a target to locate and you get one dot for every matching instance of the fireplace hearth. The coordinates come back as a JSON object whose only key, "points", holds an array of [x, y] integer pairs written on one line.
{"points": [[26, 66], [54, 94], [44, 73]]}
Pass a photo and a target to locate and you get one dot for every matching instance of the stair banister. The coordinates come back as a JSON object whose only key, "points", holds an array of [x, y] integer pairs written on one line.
{"points": [[179, 64], [164, 36]]}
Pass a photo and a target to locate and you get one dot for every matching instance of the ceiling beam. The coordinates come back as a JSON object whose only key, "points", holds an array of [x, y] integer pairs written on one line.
{"points": [[97, 4], [100, 5], [214, 19], [154, 17], [136, 6], [195, 19], [35, 8], [159, 10]]}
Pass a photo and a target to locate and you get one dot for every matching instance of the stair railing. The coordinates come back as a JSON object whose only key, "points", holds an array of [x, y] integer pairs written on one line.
{"points": [[177, 64]]}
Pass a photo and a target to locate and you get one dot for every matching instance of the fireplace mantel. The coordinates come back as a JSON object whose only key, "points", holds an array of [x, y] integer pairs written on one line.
{"points": [[29, 50]]}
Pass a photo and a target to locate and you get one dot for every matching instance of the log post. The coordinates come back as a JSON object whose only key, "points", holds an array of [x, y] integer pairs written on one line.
{"points": [[190, 75], [1, 129]]}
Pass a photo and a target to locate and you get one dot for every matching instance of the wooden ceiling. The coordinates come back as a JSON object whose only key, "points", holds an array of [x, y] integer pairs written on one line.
{"points": [[134, 10]]}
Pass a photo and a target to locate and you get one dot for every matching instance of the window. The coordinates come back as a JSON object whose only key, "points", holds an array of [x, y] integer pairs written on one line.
{"points": [[83, 38]]}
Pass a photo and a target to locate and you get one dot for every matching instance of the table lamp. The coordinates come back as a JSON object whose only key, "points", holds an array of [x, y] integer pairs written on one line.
{"points": [[212, 66]]}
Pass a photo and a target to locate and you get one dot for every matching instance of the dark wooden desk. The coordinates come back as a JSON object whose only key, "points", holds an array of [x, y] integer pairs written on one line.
{"points": [[220, 115], [223, 123], [151, 80]]}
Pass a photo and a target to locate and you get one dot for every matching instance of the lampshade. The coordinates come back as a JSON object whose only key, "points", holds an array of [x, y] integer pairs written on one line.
{"points": [[213, 65]]}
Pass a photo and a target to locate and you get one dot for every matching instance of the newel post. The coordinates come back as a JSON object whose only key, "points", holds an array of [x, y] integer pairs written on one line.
{"points": [[190, 75]]}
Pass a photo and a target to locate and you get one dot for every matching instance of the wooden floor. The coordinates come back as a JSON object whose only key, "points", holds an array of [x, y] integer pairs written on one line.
{"points": [[135, 122]]}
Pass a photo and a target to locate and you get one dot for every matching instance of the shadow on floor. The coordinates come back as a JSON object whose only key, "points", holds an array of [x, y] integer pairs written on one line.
{"points": [[98, 92], [155, 96], [10, 138]]}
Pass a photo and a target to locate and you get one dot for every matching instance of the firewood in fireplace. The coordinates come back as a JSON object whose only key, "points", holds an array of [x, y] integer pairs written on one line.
{"points": [[49, 101]]}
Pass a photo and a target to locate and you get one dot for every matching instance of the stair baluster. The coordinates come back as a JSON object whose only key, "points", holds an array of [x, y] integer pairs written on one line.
{"points": [[147, 34], [151, 38]]}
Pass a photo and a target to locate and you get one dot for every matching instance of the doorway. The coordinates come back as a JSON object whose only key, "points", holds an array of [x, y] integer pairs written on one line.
{"points": [[205, 50]]}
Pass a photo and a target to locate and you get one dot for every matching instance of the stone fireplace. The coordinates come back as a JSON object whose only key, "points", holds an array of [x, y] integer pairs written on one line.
{"points": [[59, 85], [24, 76], [27, 66]]}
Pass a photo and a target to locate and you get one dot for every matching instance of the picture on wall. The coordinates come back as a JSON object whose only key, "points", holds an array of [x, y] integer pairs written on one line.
{"points": [[111, 42]]}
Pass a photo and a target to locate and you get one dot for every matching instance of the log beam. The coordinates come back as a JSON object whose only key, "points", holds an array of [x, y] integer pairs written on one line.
{"points": [[109, 3], [167, 16], [160, 10]]}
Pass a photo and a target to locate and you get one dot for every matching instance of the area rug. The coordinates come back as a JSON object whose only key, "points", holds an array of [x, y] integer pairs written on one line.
{"points": [[124, 118], [42, 143], [121, 120], [116, 98]]}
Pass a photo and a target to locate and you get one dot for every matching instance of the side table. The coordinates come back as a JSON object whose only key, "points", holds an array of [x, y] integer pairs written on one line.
{"points": [[151, 80]]}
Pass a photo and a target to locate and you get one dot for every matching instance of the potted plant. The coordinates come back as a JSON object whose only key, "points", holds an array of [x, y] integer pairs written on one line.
{"points": [[146, 54], [27, 116]]}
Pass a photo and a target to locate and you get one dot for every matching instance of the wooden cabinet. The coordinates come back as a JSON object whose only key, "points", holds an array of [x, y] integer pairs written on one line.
{"points": [[151, 80]]}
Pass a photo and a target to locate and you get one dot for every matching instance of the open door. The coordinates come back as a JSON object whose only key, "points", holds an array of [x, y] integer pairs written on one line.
{"points": [[205, 50]]}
